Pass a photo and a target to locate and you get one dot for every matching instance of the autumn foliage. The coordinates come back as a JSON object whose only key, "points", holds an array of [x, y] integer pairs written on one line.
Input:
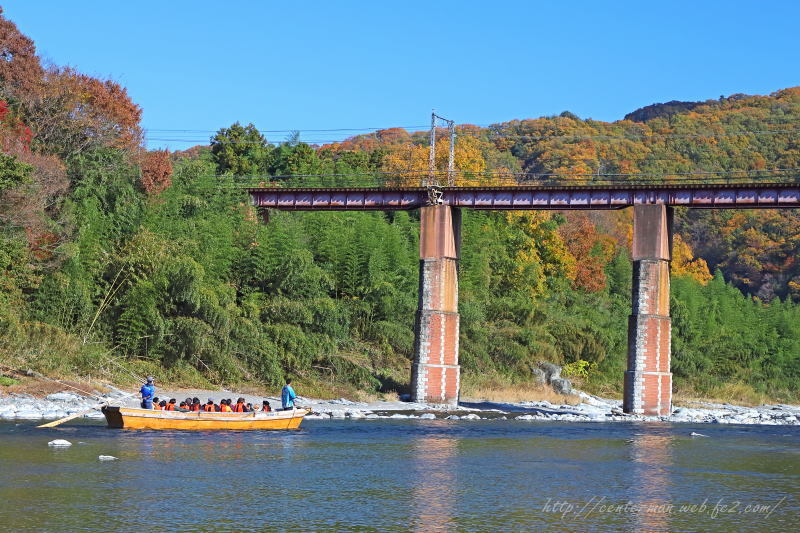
{"points": [[67, 111], [20, 68], [102, 245], [592, 251], [156, 171]]}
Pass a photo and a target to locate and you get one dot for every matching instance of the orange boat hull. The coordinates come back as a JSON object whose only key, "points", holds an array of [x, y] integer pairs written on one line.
{"points": [[130, 418]]}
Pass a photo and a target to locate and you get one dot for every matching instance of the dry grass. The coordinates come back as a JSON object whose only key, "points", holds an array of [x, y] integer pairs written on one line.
{"points": [[517, 393], [733, 393]]}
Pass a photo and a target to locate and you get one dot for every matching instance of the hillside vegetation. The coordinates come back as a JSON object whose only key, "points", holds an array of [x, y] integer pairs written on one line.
{"points": [[117, 261]]}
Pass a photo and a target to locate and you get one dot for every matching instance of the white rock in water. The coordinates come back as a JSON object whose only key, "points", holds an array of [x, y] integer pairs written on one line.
{"points": [[398, 416], [372, 416], [698, 434], [355, 414], [59, 443], [337, 414], [453, 417], [471, 416], [525, 417], [428, 416], [106, 458]]}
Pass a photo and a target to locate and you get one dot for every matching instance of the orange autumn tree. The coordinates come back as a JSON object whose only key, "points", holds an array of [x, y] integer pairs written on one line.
{"points": [[71, 112], [408, 163], [590, 249], [156, 171], [20, 69], [684, 263]]}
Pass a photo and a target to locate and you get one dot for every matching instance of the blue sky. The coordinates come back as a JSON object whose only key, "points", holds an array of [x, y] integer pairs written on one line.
{"points": [[198, 65]]}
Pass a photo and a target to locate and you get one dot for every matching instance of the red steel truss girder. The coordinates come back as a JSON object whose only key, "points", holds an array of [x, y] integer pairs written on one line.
{"points": [[531, 197]]}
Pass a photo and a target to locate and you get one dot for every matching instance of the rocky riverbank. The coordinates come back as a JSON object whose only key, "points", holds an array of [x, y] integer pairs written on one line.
{"points": [[591, 409]]}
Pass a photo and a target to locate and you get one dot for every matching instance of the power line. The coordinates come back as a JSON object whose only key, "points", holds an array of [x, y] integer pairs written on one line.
{"points": [[291, 130], [490, 135]]}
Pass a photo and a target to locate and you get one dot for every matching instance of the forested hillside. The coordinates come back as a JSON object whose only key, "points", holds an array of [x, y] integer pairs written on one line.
{"points": [[115, 259]]}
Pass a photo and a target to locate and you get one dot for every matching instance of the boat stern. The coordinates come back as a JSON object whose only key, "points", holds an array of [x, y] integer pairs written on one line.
{"points": [[113, 416]]}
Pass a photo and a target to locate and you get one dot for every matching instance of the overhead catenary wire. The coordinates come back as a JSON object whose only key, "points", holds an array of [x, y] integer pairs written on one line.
{"points": [[400, 178]]}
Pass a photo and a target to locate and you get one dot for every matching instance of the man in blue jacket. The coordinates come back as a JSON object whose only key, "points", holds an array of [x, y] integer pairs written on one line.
{"points": [[288, 395], [148, 390]]}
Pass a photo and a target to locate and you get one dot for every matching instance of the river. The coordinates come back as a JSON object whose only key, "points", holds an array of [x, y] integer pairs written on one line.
{"points": [[398, 475]]}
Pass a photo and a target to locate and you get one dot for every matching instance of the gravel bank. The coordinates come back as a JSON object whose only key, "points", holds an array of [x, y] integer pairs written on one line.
{"points": [[592, 409]]}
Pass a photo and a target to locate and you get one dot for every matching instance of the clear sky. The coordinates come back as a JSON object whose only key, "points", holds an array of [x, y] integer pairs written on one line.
{"points": [[202, 65]]}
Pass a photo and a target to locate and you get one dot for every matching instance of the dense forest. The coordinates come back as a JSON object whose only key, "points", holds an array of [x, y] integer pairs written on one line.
{"points": [[117, 261]]}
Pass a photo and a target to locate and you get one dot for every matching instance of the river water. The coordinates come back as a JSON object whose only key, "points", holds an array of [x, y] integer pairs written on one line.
{"points": [[399, 475]]}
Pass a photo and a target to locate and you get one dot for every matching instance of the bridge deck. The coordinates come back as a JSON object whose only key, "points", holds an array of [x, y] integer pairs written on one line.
{"points": [[561, 197]]}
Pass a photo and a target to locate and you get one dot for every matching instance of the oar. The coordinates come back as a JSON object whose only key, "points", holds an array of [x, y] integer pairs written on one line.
{"points": [[68, 418], [60, 421]]}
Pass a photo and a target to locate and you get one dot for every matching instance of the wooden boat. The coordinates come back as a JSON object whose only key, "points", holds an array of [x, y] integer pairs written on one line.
{"points": [[134, 418]]}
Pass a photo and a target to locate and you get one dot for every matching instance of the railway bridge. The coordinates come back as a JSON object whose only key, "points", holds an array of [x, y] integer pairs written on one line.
{"points": [[435, 372]]}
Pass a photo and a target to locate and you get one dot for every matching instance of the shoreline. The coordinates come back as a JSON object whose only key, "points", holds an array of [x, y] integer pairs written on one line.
{"points": [[21, 406]]}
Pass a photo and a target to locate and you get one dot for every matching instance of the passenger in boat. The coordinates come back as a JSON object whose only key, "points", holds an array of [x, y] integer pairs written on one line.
{"points": [[148, 390], [250, 407], [210, 407], [224, 406], [265, 406], [196, 404], [287, 396], [155, 402], [162, 405], [240, 406], [182, 407], [170, 405]]}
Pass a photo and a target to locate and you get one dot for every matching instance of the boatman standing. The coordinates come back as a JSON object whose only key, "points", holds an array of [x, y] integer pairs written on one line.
{"points": [[288, 395], [148, 391]]}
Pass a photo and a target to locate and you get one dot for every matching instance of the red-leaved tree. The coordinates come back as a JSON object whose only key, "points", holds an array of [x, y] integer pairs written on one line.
{"points": [[156, 171]]}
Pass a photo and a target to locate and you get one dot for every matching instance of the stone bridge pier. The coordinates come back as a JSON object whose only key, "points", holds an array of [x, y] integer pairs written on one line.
{"points": [[435, 373], [648, 381]]}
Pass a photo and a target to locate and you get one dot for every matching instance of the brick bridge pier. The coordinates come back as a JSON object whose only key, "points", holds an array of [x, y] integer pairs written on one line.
{"points": [[435, 374], [435, 370], [648, 381]]}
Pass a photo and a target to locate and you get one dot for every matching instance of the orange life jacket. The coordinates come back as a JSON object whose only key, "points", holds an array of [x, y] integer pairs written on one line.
{"points": [[170, 407], [208, 408], [195, 407], [239, 408], [225, 409]]}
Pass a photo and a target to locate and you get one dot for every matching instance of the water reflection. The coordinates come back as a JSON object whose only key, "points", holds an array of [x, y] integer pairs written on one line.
{"points": [[433, 502], [651, 453]]}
